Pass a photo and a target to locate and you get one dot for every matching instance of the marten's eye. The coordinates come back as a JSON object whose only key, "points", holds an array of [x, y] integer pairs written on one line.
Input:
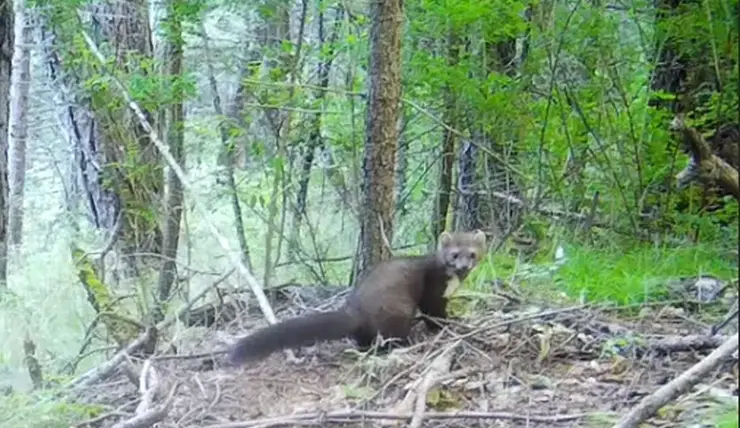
{"points": [[473, 255], [453, 255]]}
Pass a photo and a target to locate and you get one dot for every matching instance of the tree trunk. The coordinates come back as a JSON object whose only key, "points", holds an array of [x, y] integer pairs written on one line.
{"points": [[402, 164], [670, 69], [174, 130], [439, 216], [381, 134], [314, 140], [19, 123], [118, 168], [683, 70], [6, 53], [277, 30], [124, 27], [480, 175], [117, 172], [501, 216], [227, 154], [466, 214]]}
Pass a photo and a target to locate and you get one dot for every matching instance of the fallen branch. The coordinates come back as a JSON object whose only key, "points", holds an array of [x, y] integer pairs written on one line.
{"points": [[104, 370], [680, 385], [197, 356], [319, 418], [686, 343], [705, 165], [483, 328]]}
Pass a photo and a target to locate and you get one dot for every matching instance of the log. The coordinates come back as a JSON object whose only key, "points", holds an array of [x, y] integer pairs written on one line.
{"points": [[707, 167]]}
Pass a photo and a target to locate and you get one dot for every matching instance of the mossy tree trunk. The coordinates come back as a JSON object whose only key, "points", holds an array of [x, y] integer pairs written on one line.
{"points": [[131, 164], [116, 171]]}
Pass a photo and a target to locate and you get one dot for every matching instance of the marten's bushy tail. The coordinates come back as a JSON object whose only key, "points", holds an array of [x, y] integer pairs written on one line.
{"points": [[292, 333]]}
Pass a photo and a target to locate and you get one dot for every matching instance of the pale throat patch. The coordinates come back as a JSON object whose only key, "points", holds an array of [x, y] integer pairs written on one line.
{"points": [[452, 285]]}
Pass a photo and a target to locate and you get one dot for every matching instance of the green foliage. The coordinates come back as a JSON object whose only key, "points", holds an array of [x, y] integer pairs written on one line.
{"points": [[729, 416], [629, 275], [43, 410]]}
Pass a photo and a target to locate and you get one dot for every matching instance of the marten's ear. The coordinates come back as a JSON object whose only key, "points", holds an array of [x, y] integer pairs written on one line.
{"points": [[444, 239], [479, 238]]}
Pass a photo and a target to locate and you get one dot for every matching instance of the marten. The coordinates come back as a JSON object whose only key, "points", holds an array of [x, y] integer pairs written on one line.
{"points": [[384, 302]]}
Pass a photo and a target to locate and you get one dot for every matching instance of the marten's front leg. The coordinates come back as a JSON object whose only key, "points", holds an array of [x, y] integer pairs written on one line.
{"points": [[434, 306]]}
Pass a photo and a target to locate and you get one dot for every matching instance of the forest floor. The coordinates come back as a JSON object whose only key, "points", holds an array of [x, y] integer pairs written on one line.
{"points": [[513, 363]]}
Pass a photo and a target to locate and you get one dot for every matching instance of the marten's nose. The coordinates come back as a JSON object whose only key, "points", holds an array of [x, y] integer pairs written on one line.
{"points": [[461, 271]]}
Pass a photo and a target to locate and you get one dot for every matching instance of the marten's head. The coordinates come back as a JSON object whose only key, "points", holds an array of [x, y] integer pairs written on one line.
{"points": [[461, 251]]}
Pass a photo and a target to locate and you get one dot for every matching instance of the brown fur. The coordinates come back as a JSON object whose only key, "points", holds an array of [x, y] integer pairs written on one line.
{"points": [[383, 302]]}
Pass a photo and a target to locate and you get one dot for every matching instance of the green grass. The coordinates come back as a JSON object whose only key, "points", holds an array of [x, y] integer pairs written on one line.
{"points": [[637, 274], [728, 419], [619, 274], [42, 410], [722, 412]]}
